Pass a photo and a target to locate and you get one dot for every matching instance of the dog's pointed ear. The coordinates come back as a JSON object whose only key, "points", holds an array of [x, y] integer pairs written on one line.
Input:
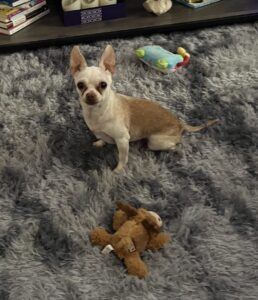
{"points": [[77, 61], [108, 59]]}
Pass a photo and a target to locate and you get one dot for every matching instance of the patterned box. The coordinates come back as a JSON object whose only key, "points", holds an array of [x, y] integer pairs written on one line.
{"points": [[96, 14]]}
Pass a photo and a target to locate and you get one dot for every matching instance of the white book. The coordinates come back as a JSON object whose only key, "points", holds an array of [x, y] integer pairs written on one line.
{"points": [[15, 3], [22, 14], [24, 24]]}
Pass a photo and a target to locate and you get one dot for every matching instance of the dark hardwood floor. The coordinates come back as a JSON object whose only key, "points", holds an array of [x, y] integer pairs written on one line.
{"points": [[50, 29]]}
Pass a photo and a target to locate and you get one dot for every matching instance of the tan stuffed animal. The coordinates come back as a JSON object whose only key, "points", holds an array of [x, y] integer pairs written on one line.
{"points": [[136, 230], [158, 7]]}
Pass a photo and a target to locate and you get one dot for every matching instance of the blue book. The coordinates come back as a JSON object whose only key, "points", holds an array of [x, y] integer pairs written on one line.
{"points": [[197, 4], [13, 3]]}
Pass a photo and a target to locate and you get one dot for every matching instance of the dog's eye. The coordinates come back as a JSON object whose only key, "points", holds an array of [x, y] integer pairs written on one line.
{"points": [[103, 85], [81, 85]]}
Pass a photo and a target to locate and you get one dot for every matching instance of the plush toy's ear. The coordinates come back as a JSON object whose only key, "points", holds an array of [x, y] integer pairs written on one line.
{"points": [[151, 224], [128, 209]]}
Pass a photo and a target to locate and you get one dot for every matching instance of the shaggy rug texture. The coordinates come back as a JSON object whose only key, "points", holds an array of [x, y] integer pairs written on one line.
{"points": [[54, 187]]}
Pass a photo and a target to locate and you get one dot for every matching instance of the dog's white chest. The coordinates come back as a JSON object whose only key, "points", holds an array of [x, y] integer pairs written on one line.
{"points": [[106, 124], [100, 127], [94, 120]]}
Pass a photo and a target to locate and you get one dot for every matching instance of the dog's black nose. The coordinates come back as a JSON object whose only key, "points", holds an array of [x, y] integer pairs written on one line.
{"points": [[91, 98]]}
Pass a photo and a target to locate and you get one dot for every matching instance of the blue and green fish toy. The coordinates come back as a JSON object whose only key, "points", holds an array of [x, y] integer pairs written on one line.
{"points": [[161, 59]]}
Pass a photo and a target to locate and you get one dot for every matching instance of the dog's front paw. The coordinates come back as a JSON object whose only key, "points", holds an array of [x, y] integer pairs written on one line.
{"points": [[99, 144], [119, 169]]}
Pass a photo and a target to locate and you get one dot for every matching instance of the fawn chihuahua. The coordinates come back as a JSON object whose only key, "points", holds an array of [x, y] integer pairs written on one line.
{"points": [[119, 119]]}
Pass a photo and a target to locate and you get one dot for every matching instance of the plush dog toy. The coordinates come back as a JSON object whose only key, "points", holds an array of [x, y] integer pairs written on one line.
{"points": [[136, 230]]}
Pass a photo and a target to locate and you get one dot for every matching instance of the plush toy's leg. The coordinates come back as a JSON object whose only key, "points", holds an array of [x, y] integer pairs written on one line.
{"points": [[119, 219], [99, 236], [158, 241], [135, 265]]}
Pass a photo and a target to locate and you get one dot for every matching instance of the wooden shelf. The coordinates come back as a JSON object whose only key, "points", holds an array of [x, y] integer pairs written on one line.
{"points": [[50, 30]]}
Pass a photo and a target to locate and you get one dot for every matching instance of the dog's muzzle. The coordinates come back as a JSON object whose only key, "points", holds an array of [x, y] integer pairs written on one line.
{"points": [[91, 98]]}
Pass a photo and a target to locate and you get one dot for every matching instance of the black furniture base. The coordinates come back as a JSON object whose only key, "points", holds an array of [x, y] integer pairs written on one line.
{"points": [[50, 30]]}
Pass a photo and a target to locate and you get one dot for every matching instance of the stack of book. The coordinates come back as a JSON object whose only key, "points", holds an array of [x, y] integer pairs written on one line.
{"points": [[18, 14]]}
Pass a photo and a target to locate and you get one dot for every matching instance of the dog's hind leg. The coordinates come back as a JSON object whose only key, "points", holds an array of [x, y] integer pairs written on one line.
{"points": [[163, 142], [99, 143]]}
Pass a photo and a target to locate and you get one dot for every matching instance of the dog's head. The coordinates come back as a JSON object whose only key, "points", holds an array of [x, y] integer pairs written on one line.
{"points": [[93, 83]]}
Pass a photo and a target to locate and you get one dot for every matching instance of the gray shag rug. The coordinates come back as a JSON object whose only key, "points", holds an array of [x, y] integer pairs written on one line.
{"points": [[54, 187]]}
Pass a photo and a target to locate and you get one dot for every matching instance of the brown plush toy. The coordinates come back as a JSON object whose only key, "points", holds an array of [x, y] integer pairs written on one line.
{"points": [[136, 231]]}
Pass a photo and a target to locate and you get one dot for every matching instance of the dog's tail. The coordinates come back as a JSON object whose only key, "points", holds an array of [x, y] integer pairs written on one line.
{"points": [[190, 128]]}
